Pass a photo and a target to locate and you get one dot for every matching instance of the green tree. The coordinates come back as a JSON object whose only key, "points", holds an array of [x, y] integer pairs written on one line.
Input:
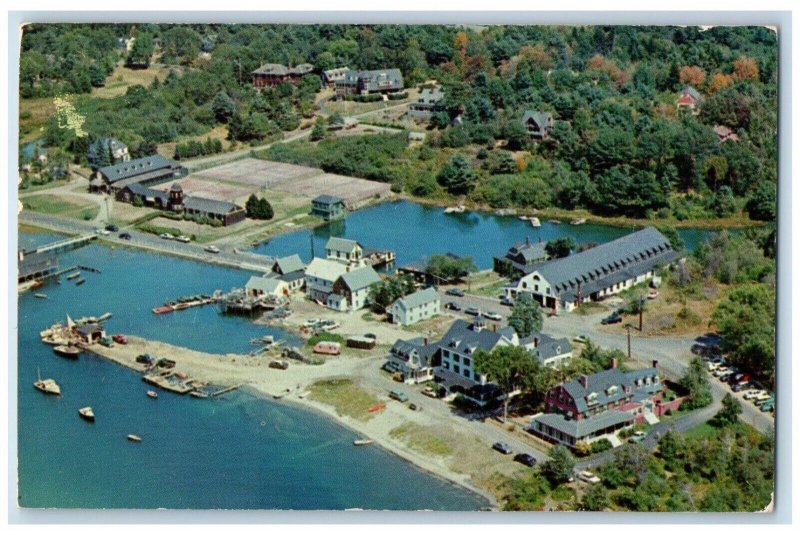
{"points": [[318, 132], [695, 380], [457, 176], [141, 51], [507, 366], [730, 411], [723, 203], [762, 204], [560, 247], [559, 467], [223, 107], [526, 315], [595, 498], [517, 137], [445, 268]]}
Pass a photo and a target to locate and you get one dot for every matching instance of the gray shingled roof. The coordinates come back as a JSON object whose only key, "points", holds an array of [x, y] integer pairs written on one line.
{"points": [[625, 253], [209, 206], [418, 298], [600, 382], [136, 167], [376, 79], [404, 349], [360, 278], [582, 428], [138, 189], [288, 264], [343, 245], [462, 335], [274, 69], [328, 199], [692, 92], [539, 117]]}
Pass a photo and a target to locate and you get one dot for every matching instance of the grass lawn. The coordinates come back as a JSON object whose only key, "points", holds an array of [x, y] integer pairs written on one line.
{"points": [[33, 115], [53, 204], [703, 430], [121, 78], [486, 283], [345, 396], [421, 439]]}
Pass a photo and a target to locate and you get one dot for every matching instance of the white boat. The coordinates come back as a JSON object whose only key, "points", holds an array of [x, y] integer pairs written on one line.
{"points": [[535, 222], [87, 414], [454, 209], [67, 351], [363, 442], [40, 296], [579, 221], [152, 394], [48, 386], [134, 438]]}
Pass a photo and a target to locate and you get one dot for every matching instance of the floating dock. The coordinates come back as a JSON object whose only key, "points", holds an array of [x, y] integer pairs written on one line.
{"points": [[166, 382]]}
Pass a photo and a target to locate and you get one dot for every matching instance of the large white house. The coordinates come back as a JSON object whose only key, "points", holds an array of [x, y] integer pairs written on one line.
{"points": [[320, 275], [412, 358], [415, 307], [345, 251], [596, 273], [550, 352], [351, 290]]}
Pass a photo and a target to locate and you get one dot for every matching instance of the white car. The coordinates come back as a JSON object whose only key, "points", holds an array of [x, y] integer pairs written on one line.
{"points": [[750, 394], [212, 249], [166, 236], [183, 239], [720, 371], [102, 232], [761, 396], [588, 477], [492, 315]]}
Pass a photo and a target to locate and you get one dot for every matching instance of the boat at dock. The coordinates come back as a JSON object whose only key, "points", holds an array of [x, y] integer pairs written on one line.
{"points": [[579, 221], [40, 296], [535, 222], [363, 442], [134, 438], [69, 352], [152, 394], [73, 275], [198, 394], [163, 310], [554, 222], [105, 316], [48, 386], [87, 414], [79, 282], [454, 209]]}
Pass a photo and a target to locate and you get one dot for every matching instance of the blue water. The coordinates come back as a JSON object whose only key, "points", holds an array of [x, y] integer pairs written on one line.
{"points": [[416, 232], [194, 453]]}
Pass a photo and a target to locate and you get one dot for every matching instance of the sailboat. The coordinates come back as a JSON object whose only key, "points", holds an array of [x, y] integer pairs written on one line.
{"points": [[48, 386]]}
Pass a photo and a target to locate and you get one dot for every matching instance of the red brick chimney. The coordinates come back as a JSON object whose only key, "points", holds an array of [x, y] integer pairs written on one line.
{"points": [[584, 380]]}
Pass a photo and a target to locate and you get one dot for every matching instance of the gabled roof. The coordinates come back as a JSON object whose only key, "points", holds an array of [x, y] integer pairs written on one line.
{"points": [[692, 92], [418, 298], [403, 349], [360, 278], [375, 79], [539, 117], [462, 335], [635, 251], [328, 199], [325, 269], [136, 167], [275, 69], [289, 264], [264, 284], [105, 143], [343, 245], [585, 426], [138, 189], [210, 206], [600, 385]]}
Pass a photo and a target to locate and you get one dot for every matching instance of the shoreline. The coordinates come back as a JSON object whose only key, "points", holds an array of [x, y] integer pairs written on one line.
{"points": [[233, 368]]}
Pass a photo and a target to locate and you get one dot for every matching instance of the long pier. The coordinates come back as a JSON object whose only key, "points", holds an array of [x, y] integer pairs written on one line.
{"points": [[63, 245]]}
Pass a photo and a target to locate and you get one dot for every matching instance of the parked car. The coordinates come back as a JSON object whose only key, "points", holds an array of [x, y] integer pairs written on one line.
{"points": [[637, 436], [183, 239], [311, 322], [398, 395], [166, 236], [472, 311], [581, 339], [506, 301], [120, 339], [125, 235], [613, 318], [452, 305], [503, 448], [414, 407], [102, 232], [212, 249], [760, 401], [720, 370], [768, 406], [753, 392], [492, 315], [588, 477], [430, 392], [455, 292], [525, 458], [112, 228], [724, 376], [699, 349], [740, 387], [715, 363], [761, 397]]}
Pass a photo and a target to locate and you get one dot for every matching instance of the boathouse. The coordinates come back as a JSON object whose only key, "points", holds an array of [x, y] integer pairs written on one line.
{"points": [[328, 207], [520, 258], [89, 333]]}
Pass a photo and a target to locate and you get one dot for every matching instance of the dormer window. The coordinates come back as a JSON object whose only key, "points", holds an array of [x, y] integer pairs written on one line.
{"points": [[611, 390]]}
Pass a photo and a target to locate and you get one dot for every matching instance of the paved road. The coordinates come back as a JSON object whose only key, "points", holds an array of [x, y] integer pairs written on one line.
{"points": [[241, 260]]}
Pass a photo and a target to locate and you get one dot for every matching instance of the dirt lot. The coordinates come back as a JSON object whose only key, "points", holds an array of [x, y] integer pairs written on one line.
{"points": [[259, 173], [210, 189], [352, 190]]}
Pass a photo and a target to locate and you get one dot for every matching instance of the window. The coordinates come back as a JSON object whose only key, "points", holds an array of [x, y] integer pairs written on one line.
{"points": [[456, 358], [457, 369], [466, 374], [467, 362]]}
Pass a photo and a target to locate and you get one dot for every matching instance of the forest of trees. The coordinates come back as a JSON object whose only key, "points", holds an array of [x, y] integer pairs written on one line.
{"points": [[618, 146]]}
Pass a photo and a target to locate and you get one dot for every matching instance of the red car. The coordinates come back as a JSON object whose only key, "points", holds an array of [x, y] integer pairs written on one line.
{"points": [[120, 338]]}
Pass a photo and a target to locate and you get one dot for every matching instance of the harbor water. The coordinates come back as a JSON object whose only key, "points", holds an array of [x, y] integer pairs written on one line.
{"points": [[235, 452], [415, 232]]}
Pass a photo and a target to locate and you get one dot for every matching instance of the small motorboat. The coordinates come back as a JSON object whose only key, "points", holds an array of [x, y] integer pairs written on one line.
{"points": [[80, 281], [40, 296], [554, 222], [535, 222], [579, 221], [73, 275], [198, 394], [152, 394], [87, 414], [163, 310], [134, 438], [48, 386], [363, 442], [67, 351]]}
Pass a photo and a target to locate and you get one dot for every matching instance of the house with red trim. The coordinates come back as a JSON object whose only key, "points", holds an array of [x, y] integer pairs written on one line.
{"points": [[689, 100]]}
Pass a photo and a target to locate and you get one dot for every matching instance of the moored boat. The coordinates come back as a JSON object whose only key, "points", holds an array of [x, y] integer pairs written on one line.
{"points": [[134, 438], [40, 296], [363, 442], [152, 394], [198, 394], [73, 275], [87, 414], [67, 351], [79, 282], [578, 221], [535, 222], [163, 310], [48, 386]]}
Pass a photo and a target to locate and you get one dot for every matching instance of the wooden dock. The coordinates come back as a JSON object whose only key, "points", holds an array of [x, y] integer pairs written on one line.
{"points": [[63, 245], [162, 381], [226, 390]]}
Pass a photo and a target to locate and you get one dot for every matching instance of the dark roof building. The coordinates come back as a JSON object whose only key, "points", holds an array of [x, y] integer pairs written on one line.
{"points": [[428, 102], [273, 74], [328, 207], [538, 124], [414, 359], [520, 258], [596, 273], [367, 82]]}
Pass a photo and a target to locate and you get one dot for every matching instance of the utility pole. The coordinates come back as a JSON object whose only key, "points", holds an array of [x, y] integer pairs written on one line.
{"points": [[641, 311], [628, 328]]}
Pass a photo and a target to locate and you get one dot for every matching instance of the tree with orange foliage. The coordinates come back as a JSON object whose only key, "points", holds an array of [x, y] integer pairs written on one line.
{"points": [[536, 55], [745, 68], [692, 75], [719, 82]]}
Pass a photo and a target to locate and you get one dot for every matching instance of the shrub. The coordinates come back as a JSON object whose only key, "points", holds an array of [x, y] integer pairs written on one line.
{"points": [[601, 445]]}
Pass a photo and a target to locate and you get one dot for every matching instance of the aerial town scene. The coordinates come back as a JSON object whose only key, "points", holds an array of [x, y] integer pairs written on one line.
{"points": [[397, 267]]}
